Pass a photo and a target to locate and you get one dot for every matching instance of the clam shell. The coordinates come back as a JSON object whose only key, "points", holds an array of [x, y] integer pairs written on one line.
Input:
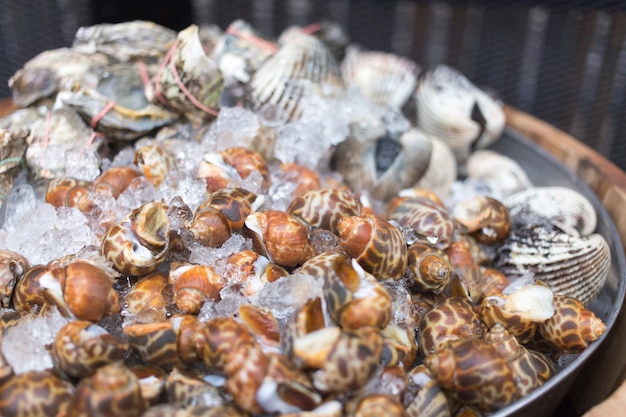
{"points": [[503, 175], [559, 206], [370, 159], [570, 265], [384, 78], [450, 107], [303, 65], [441, 171]]}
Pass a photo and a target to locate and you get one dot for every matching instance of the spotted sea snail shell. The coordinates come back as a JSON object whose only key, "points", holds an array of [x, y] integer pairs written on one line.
{"points": [[325, 207], [36, 393], [474, 373], [113, 389], [80, 347], [13, 266], [376, 244]]}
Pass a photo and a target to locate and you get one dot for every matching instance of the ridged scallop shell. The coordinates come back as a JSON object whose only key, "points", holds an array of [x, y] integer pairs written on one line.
{"points": [[303, 65], [563, 207], [450, 107], [371, 159], [384, 78], [570, 265], [502, 174]]}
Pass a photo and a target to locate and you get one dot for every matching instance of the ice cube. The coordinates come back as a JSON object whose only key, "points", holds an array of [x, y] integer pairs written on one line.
{"points": [[18, 204], [24, 345]]}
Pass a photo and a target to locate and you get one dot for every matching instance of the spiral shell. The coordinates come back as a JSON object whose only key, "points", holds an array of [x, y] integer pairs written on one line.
{"points": [[116, 180], [429, 267], [572, 326], [520, 311], [193, 285], [113, 390], [353, 296], [81, 289], [219, 169], [80, 347], [425, 218], [425, 397], [139, 244], [28, 292], [474, 373], [35, 393], [149, 297], [466, 281], [155, 161], [377, 245], [451, 319], [570, 265], [281, 237], [486, 218], [13, 266], [325, 207], [383, 405], [222, 214]]}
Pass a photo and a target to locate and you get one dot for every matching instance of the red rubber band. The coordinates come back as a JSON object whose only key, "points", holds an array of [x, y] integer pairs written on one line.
{"points": [[187, 93], [261, 43], [157, 79], [143, 74], [312, 28], [101, 114]]}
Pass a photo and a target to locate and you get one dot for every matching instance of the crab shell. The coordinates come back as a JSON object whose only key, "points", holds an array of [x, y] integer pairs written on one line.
{"points": [[376, 244], [80, 347], [474, 373]]}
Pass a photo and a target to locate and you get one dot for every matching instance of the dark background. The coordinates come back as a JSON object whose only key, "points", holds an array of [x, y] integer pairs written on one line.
{"points": [[562, 61]]}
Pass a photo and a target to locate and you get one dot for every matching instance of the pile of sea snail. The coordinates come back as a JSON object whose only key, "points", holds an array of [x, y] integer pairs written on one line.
{"points": [[415, 315]]}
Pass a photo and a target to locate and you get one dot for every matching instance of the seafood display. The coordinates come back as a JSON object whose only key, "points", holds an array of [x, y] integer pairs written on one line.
{"points": [[220, 223]]}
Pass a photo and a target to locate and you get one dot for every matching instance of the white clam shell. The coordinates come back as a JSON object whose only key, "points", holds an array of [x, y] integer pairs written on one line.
{"points": [[502, 174], [569, 265], [450, 107], [384, 78], [442, 169], [558, 206]]}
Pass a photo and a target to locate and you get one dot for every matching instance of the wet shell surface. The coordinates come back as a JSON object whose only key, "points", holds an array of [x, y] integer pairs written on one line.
{"points": [[570, 265], [563, 207]]}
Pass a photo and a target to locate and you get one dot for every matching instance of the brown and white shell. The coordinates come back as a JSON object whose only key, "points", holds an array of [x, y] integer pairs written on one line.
{"points": [[501, 174], [570, 265]]}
